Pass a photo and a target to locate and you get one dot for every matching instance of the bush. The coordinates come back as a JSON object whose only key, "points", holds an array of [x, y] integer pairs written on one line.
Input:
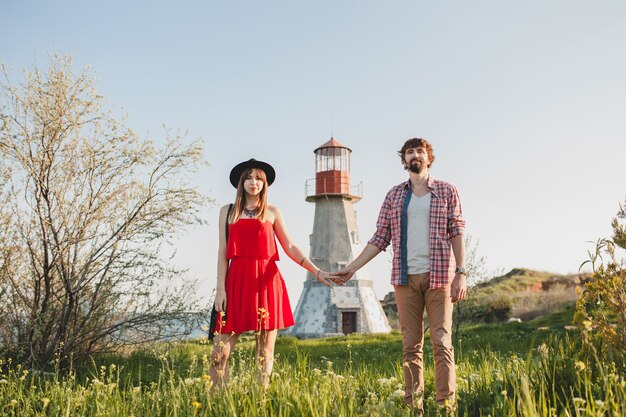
{"points": [[601, 308]]}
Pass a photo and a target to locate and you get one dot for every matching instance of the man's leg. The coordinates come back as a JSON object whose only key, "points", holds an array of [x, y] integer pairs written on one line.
{"points": [[439, 308], [410, 303]]}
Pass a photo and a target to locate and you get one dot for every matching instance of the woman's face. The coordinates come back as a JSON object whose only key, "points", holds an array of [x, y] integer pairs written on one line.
{"points": [[253, 184]]}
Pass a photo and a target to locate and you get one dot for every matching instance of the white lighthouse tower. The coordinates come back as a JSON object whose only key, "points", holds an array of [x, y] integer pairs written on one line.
{"points": [[354, 307]]}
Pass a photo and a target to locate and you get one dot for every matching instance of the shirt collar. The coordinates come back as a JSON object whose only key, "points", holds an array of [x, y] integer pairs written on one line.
{"points": [[430, 184]]}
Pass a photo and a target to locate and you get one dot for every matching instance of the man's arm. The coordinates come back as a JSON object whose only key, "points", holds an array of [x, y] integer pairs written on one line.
{"points": [[458, 288], [367, 254]]}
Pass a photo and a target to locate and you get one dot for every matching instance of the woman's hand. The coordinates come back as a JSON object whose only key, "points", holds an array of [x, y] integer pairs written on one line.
{"points": [[325, 278], [220, 300]]}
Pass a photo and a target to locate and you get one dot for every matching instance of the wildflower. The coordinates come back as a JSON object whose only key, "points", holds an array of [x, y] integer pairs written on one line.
{"points": [[188, 381], [136, 389], [205, 377], [504, 393], [196, 404], [13, 402], [383, 381], [578, 401], [3, 381], [45, 401], [372, 397], [316, 372], [397, 393], [581, 366], [543, 349], [588, 325], [599, 403]]}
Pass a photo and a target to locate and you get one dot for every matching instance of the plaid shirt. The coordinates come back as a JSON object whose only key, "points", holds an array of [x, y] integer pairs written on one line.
{"points": [[446, 221]]}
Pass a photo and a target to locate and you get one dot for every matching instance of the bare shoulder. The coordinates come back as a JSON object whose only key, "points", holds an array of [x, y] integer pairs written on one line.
{"points": [[273, 208], [274, 212], [224, 208]]}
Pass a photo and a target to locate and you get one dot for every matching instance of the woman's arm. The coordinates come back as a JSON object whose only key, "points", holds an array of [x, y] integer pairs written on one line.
{"points": [[222, 263], [294, 251]]}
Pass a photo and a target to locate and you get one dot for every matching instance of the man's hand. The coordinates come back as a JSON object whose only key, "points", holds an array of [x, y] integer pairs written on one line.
{"points": [[458, 289], [343, 275]]}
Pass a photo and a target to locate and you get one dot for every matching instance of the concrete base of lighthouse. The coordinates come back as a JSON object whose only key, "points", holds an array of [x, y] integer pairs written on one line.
{"points": [[352, 308]]}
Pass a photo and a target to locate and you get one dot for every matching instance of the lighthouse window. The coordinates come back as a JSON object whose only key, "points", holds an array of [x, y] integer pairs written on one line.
{"points": [[332, 159], [338, 164]]}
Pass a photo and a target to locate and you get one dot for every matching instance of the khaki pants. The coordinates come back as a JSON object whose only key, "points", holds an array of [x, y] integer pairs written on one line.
{"points": [[411, 300]]}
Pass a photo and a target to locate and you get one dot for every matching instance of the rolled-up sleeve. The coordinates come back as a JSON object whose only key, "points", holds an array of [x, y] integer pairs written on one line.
{"points": [[382, 236], [456, 223]]}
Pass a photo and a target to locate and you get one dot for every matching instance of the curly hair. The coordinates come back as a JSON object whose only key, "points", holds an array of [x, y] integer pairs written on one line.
{"points": [[417, 143]]}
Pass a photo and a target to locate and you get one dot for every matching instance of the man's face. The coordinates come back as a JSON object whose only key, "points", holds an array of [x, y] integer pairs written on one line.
{"points": [[416, 159]]}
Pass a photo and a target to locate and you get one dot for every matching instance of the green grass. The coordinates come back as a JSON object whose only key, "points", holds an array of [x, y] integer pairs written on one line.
{"points": [[518, 369]]}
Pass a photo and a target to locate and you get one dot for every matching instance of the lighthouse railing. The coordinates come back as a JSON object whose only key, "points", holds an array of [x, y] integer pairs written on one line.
{"points": [[356, 189]]}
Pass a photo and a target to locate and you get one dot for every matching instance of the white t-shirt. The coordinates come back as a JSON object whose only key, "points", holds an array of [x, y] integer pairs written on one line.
{"points": [[418, 234]]}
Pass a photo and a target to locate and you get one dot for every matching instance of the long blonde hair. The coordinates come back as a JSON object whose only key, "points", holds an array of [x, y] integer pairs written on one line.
{"points": [[240, 200]]}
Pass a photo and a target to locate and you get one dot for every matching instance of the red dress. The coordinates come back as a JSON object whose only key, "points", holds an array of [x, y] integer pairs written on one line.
{"points": [[256, 296]]}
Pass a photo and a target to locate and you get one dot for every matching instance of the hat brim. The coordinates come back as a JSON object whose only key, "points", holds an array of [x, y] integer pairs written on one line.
{"points": [[239, 169]]}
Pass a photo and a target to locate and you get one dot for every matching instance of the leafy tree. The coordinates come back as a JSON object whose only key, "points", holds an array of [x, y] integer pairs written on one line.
{"points": [[86, 207], [601, 307]]}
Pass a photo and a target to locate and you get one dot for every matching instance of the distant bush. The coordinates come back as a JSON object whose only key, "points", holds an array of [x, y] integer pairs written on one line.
{"points": [[477, 310]]}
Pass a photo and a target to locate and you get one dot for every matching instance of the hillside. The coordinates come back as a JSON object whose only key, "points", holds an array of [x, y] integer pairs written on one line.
{"points": [[521, 293]]}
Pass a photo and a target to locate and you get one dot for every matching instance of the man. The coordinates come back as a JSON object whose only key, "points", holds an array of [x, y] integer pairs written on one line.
{"points": [[422, 219]]}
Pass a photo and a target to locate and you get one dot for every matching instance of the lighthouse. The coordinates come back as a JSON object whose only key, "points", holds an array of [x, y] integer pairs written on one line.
{"points": [[352, 308]]}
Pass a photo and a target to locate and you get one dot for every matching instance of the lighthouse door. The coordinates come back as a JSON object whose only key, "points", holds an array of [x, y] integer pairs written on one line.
{"points": [[348, 322]]}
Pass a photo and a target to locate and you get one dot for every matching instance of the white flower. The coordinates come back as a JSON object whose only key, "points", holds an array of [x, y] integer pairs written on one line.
{"points": [[397, 393]]}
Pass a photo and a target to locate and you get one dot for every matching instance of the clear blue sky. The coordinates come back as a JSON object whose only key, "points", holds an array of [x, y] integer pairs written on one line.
{"points": [[524, 102]]}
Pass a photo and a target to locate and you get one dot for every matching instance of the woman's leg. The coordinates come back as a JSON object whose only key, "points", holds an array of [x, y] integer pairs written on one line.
{"points": [[266, 339], [222, 347]]}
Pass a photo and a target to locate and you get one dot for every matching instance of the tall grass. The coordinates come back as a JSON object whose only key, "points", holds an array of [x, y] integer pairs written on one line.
{"points": [[503, 370]]}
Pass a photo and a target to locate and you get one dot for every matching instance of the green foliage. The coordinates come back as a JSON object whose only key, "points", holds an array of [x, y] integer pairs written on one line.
{"points": [[601, 308], [503, 370], [522, 293]]}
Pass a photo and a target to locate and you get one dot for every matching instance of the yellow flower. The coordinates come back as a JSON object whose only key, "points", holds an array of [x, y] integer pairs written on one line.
{"points": [[581, 366], [196, 404], [45, 401]]}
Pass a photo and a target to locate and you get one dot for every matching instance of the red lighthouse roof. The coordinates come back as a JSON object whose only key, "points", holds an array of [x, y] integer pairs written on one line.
{"points": [[333, 143]]}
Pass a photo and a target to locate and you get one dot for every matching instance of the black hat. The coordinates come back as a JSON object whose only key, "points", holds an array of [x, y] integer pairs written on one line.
{"points": [[238, 169]]}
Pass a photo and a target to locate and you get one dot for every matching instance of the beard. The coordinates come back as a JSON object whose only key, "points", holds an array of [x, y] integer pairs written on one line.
{"points": [[416, 166]]}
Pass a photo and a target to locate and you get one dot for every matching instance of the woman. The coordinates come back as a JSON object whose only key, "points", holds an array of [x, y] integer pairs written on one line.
{"points": [[251, 293]]}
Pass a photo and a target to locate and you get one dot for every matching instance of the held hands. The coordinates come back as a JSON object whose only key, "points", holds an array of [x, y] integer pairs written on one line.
{"points": [[342, 276], [458, 288], [325, 278]]}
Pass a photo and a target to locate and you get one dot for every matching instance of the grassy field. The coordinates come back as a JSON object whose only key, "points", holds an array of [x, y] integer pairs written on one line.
{"points": [[527, 369]]}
